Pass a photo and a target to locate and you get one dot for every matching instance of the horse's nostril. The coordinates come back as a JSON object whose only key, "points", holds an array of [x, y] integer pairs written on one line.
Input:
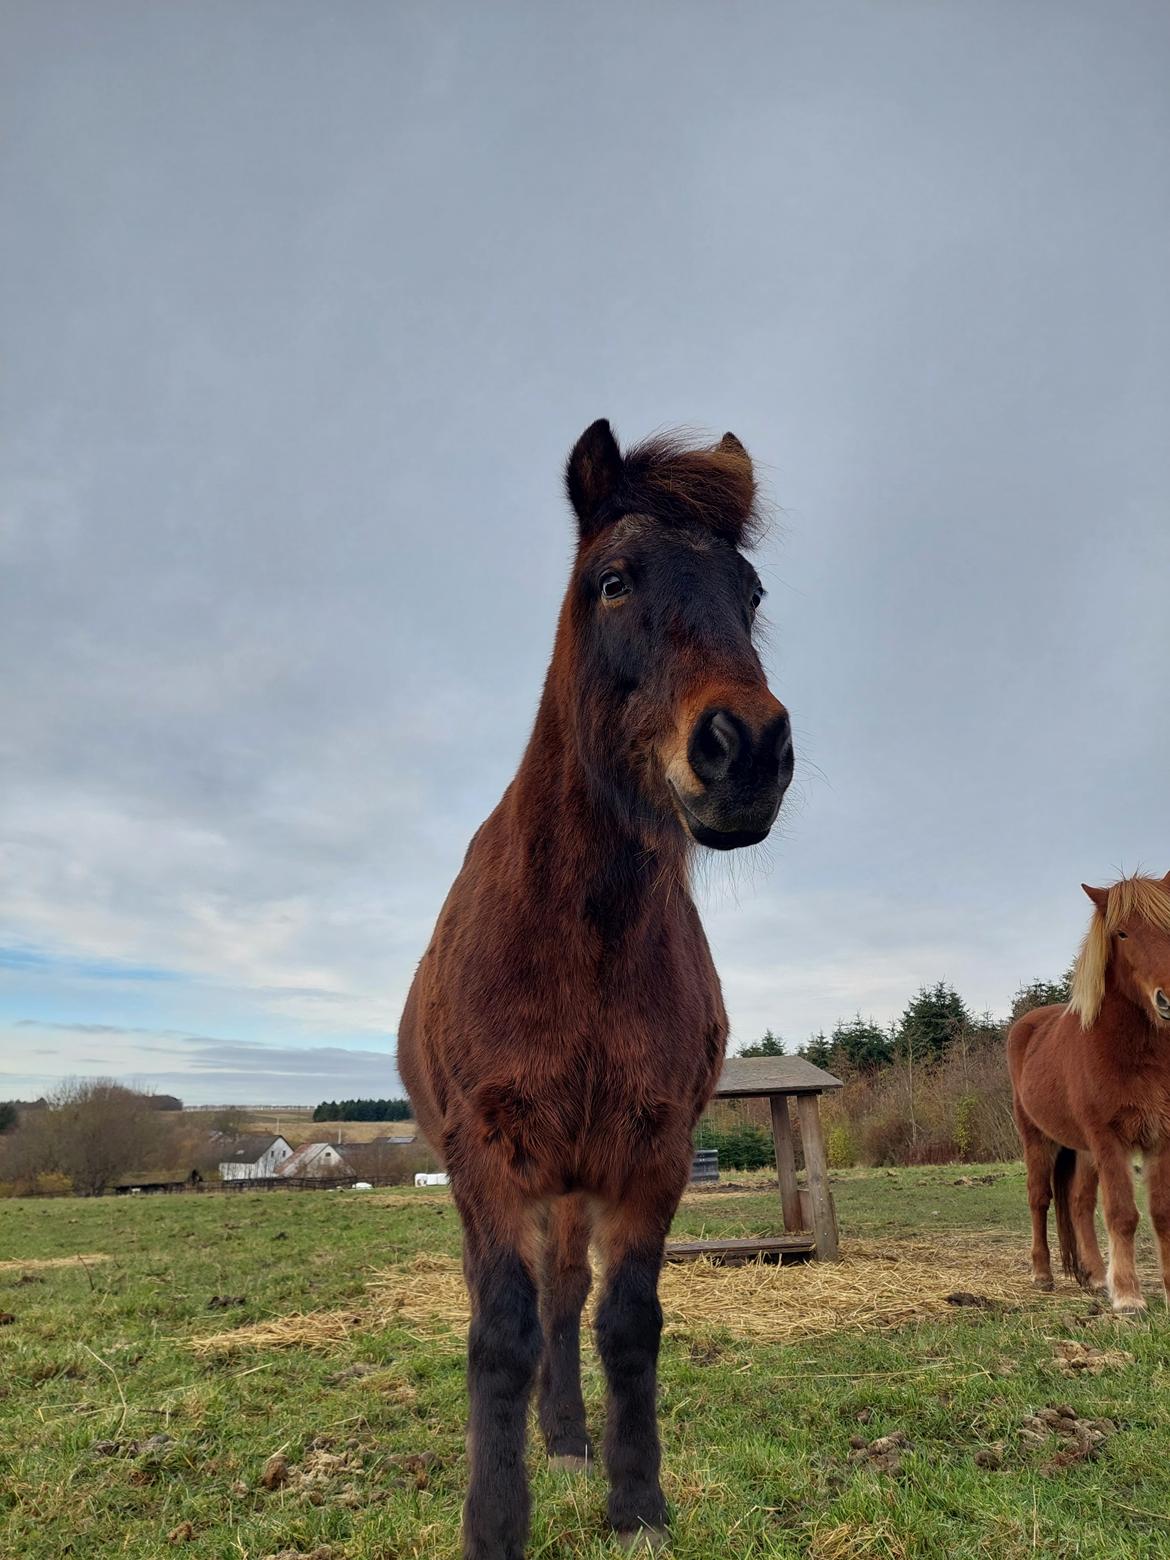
{"points": [[722, 729], [779, 736], [715, 745]]}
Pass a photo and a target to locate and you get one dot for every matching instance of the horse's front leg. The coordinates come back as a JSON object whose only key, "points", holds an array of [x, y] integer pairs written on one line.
{"points": [[632, 1236], [503, 1349], [1121, 1220], [564, 1286]]}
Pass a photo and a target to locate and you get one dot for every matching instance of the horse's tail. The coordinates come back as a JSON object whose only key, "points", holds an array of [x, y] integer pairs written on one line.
{"points": [[1063, 1170]]}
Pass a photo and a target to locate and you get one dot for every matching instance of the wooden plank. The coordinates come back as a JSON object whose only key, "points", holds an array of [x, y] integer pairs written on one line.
{"points": [[786, 1163], [734, 1253], [817, 1169], [745, 1076]]}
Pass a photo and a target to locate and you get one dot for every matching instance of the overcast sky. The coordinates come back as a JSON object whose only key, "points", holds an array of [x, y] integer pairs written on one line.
{"points": [[303, 305]]}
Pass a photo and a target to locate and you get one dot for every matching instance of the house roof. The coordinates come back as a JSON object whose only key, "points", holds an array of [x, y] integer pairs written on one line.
{"points": [[303, 1158], [167, 1177], [248, 1149]]}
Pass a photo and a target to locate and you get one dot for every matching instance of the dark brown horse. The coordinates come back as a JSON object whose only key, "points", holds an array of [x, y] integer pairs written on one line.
{"points": [[1091, 1082], [565, 1028]]}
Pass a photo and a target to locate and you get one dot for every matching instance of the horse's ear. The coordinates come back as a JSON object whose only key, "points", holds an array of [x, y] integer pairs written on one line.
{"points": [[1099, 896], [732, 446], [593, 473], [738, 482]]}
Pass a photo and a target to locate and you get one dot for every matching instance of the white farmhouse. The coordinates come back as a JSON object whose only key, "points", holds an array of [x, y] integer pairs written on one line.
{"points": [[315, 1162], [254, 1157]]}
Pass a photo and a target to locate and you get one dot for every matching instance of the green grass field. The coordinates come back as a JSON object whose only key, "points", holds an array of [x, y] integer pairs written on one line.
{"points": [[757, 1438]]}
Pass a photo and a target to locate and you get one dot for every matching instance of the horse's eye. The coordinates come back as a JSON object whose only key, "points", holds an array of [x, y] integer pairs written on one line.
{"points": [[757, 597], [613, 586], [1123, 934]]}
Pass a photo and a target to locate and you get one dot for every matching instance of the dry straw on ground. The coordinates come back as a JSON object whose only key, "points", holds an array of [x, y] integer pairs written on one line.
{"points": [[878, 1285], [302, 1330], [31, 1264]]}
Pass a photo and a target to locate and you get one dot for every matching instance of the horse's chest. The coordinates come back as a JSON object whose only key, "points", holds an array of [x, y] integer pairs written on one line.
{"points": [[1144, 1120], [1141, 1114]]}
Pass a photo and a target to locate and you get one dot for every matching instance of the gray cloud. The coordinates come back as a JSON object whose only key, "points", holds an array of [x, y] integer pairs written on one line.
{"points": [[210, 1069], [295, 340]]}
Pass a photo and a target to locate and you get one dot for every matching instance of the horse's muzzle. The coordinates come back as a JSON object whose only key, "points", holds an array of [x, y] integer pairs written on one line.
{"points": [[743, 776]]}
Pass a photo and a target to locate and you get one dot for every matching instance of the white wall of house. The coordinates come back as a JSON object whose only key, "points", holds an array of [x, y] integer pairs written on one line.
{"points": [[267, 1165]]}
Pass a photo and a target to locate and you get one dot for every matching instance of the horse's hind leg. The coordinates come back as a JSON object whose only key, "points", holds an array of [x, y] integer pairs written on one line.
{"points": [[503, 1349], [1083, 1204], [1039, 1154], [1158, 1180], [565, 1279]]}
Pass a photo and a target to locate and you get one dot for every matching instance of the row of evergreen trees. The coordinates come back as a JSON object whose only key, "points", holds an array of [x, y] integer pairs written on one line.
{"points": [[741, 1144], [363, 1110], [935, 1019]]}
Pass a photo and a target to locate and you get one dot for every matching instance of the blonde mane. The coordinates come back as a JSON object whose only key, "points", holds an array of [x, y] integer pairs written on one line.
{"points": [[1131, 897]]}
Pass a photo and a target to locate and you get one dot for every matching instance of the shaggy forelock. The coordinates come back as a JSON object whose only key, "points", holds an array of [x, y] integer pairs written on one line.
{"points": [[713, 488]]}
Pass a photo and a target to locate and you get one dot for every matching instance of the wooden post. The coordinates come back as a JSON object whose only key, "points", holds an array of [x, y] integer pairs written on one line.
{"points": [[785, 1162], [806, 1220], [817, 1167]]}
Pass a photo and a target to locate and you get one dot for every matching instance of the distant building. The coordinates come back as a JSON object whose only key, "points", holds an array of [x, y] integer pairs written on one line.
{"points": [[394, 1140], [315, 1162], [177, 1180], [257, 1156]]}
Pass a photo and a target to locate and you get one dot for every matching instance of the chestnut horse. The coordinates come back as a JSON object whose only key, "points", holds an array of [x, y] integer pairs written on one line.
{"points": [[565, 1028], [1091, 1084]]}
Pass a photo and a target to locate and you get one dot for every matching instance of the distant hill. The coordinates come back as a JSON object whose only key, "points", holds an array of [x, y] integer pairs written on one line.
{"points": [[296, 1125]]}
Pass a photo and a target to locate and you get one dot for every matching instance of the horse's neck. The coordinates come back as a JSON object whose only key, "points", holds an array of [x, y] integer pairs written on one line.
{"points": [[591, 858], [1122, 1016]]}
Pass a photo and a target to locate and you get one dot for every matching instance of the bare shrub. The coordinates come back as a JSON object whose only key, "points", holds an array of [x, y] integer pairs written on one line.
{"points": [[91, 1131], [230, 1121], [957, 1109], [886, 1139], [27, 1152]]}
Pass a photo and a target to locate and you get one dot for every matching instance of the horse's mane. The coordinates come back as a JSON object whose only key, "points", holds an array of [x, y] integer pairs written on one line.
{"points": [[713, 487], [1133, 896]]}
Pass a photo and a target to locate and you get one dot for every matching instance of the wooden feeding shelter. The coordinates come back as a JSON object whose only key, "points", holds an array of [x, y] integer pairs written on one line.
{"points": [[810, 1221]]}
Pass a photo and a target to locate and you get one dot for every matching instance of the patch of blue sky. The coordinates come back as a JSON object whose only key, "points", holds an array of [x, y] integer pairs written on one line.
{"points": [[58, 995], [24, 959]]}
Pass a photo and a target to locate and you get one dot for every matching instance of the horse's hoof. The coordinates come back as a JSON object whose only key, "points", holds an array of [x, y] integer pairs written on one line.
{"points": [[643, 1540], [564, 1463], [1129, 1307], [1045, 1284]]}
